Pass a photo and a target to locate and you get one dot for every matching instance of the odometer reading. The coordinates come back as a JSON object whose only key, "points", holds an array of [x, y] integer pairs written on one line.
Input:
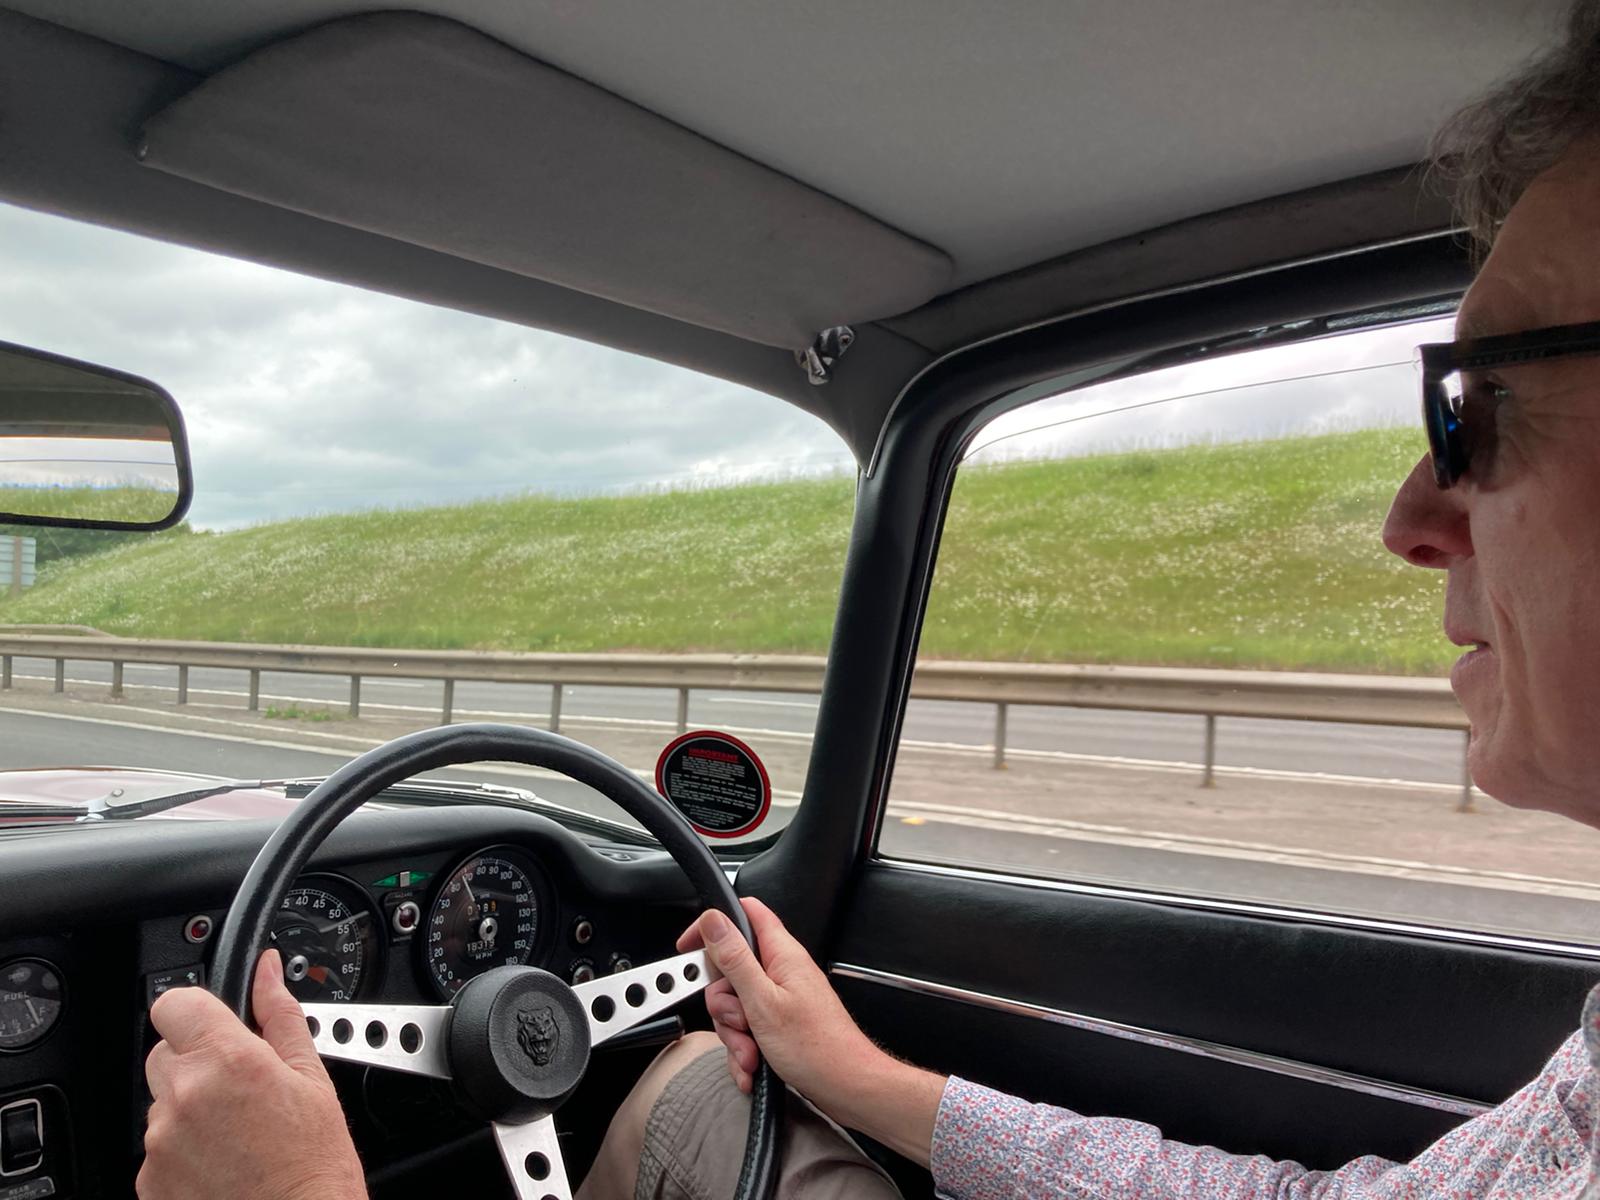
{"points": [[486, 915], [30, 1002]]}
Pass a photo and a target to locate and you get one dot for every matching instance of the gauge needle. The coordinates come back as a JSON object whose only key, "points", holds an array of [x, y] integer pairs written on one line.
{"points": [[466, 882], [32, 1011]]}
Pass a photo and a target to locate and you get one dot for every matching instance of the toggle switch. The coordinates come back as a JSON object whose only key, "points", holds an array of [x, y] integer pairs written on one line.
{"points": [[21, 1137]]}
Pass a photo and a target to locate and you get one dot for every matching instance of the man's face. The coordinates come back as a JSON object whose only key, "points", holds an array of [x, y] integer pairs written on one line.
{"points": [[1520, 534]]}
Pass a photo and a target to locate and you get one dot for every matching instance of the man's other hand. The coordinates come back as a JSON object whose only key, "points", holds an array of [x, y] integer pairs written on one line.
{"points": [[782, 1003], [241, 1116]]}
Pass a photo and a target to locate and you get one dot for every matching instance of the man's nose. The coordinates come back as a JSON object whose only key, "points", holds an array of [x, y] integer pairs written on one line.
{"points": [[1427, 526]]}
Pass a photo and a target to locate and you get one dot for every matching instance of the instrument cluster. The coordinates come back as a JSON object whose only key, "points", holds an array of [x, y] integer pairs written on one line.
{"points": [[489, 909]]}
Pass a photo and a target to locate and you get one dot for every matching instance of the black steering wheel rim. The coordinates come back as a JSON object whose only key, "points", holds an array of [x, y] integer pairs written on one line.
{"points": [[245, 930]]}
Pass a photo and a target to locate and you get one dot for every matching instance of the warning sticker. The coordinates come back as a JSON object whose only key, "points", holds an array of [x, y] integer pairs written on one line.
{"points": [[716, 782]]}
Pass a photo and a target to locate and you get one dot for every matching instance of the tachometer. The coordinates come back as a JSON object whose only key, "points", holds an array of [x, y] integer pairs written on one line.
{"points": [[327, 938], [485, 915], [30, 1002]]}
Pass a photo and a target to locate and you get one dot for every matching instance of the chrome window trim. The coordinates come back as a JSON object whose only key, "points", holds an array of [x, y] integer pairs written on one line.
{"points": [[1215, 1051], [1273, 912]]}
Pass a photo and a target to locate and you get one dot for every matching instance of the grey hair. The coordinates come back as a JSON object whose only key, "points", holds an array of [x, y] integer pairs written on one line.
{"points": [[1490, 151]]}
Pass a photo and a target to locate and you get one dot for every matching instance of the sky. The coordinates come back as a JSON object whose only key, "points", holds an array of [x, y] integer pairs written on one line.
{"points": [[304, 396]]}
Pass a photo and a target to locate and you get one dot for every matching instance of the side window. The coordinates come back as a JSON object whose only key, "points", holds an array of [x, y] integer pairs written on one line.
{"points": [[1166, 649]]}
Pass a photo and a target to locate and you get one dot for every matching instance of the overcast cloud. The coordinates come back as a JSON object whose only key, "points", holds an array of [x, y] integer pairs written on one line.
{"points": [[304, 396]]}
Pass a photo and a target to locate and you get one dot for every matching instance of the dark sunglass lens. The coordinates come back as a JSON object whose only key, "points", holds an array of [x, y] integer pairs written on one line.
{"points": [[1440, 419]]}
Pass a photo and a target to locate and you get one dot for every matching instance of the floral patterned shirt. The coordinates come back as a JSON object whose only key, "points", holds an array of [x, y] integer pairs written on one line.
{"points": [[1539, 1143]]}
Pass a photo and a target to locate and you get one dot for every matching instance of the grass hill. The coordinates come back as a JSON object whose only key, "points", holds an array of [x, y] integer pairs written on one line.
{"points": [[117, 504], [1260, 554]]}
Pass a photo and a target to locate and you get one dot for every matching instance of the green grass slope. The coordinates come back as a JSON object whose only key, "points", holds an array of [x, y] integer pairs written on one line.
{"points": [[1261, 554], [89, 503]]}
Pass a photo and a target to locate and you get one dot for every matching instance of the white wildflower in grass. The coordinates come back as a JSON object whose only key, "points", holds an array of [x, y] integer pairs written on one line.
{"points": [[1257, 554]]}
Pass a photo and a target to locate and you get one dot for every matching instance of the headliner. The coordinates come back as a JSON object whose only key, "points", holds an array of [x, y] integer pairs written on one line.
{"points": [[1005, 136]]}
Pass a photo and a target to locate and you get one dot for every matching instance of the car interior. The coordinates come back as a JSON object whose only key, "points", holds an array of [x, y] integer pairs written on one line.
{"points": [[906, 220]]}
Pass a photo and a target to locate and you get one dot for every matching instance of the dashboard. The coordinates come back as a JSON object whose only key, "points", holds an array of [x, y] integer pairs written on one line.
{"points": [[400, 906]]}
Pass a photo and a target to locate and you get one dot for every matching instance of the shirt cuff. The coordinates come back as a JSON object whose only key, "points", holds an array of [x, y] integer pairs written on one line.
{"points": [[979, 1138]]}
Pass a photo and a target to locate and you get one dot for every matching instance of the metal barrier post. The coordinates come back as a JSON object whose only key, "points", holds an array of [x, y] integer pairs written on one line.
{"points": [[555, 708], [1000, 735], [449, 701], [355, 695], [1210, 777], [183, 683], [683, 710], [116, 681], [61, 674], [5, 672], [1465, 804], [255, 689]]}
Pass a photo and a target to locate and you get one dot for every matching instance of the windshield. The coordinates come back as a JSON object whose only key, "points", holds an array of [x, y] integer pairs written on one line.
{"points": [[439, 503]]}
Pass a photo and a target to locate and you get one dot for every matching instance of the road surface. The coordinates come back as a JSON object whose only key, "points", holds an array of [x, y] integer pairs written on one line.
{"points": [[54, 740], [1363, 751]]}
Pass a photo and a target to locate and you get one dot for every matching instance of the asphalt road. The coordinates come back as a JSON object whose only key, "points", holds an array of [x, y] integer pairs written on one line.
{"points": [[54, 741], [1372, 752]]}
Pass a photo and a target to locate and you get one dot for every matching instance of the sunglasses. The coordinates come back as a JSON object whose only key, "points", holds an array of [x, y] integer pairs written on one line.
{"points": [[1459, 410]]}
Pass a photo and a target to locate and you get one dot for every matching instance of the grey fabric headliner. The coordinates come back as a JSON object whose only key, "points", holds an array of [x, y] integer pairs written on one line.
{"points": [[1004, 133], [71, 108], [425, 130]]}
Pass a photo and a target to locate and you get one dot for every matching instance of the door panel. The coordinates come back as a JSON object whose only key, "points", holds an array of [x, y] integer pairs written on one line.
{"points": [[1464, 1019]]}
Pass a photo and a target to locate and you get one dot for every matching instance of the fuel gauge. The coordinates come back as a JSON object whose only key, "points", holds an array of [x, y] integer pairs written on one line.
{"points": [[30, 1002]]}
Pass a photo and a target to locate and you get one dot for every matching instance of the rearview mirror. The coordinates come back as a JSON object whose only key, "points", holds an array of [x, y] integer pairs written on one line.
{"points": [[88, 447]]}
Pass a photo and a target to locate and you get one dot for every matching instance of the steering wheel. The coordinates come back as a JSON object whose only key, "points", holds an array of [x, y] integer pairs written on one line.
{"points": [[515, 1041]]}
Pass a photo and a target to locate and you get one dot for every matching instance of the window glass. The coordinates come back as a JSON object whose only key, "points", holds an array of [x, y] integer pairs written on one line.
{"points": [[1128, 560], [383, 475]]}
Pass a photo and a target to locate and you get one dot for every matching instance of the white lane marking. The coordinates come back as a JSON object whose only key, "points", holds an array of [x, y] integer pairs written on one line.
{"points": [[971, 749], [812, 706], [354, 746], [1251, 851]]}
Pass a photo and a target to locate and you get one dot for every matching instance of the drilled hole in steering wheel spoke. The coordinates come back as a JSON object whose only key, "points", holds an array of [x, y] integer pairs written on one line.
{"points": [[603, 1008]]}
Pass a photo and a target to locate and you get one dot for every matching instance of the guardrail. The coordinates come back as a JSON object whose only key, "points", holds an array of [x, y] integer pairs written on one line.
{"points": [[1278, 695]]}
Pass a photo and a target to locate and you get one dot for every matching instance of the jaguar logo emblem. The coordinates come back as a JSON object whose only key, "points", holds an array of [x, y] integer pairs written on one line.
{"points": [[538, 1034]]}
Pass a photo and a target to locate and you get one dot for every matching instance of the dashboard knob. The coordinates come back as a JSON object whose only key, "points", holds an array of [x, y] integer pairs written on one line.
{"points": [[582, 971], [582, 931], [406, 917], [620, 962]]}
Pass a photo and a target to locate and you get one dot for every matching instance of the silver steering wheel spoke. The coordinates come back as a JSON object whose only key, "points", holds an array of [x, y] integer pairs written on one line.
{"points": [[619, 1002], [398, 1037], [533, 1159]]}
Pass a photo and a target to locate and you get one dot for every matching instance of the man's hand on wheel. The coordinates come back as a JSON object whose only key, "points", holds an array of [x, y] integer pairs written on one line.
{"points": [[784, 1006], [242, 1116]]}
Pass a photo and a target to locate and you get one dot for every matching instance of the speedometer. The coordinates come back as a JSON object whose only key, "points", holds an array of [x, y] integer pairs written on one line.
{"points": [[325, 934], [485, 915]]}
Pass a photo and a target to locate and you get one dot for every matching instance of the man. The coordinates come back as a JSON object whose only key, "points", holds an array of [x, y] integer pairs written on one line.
{"points": [[1508, 503]]}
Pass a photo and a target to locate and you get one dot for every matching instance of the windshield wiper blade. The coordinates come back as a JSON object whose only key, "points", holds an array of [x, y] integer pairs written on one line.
{"points": [[119, 805], [418, 791]]}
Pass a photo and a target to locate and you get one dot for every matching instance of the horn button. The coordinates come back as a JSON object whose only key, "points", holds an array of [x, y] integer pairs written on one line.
{"points": [[519, 1043]]}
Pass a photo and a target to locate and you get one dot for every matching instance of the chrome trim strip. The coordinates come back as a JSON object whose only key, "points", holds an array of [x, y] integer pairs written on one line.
{"points": [[1498, 941], [1271, 1063]]}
